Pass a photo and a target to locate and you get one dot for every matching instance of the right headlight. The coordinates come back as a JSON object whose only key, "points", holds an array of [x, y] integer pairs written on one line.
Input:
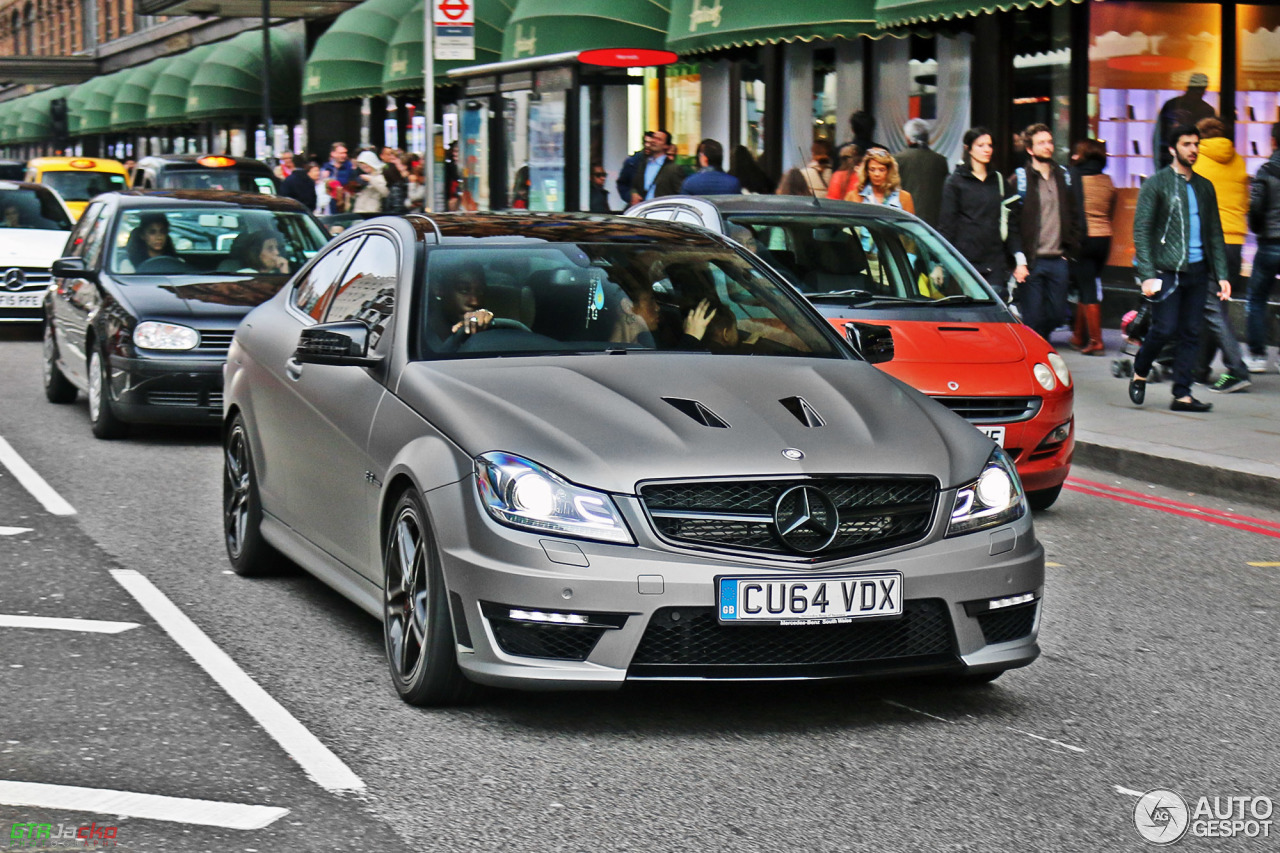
{"points": [[995, 498], [521, 493]]}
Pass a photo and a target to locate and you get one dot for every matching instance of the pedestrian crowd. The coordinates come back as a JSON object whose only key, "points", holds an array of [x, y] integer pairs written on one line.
{"points": [[387, 182], [1044, 232]]}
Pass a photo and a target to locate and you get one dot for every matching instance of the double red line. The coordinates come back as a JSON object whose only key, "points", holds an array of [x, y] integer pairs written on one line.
{"points": [[1213, 516]]}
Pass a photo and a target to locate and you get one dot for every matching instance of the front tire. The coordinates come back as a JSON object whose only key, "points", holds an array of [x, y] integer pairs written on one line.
{"points": [[102, 419], [1044, 498], [57, 388], [416, 622], [249, 553]]}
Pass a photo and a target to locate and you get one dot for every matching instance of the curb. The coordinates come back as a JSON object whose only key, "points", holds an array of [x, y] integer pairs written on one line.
{"points": [[1180, 474]]}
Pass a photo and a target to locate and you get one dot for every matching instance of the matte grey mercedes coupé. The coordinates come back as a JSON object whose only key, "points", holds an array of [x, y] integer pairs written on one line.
{"points": [[560, 452]]}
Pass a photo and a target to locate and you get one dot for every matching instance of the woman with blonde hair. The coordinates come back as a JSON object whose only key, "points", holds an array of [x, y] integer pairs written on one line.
{"points": [[879, 182]]}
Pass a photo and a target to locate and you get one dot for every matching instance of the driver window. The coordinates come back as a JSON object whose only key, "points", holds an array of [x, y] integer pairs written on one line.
{"points": [[367, 291]]}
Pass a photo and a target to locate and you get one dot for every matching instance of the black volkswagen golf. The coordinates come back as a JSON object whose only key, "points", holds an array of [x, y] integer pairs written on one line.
{"points": [[152, 286]]}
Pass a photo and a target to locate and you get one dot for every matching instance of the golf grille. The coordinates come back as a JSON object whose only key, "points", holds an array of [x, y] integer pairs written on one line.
{"points": [[690, 642]]}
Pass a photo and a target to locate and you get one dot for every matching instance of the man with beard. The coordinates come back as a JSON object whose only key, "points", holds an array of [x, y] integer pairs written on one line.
{"points": [[1050, 231], [1178, 243]]}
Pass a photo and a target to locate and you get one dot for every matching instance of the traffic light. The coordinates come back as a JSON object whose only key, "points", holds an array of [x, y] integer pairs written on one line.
{"points": [[58, 120]]}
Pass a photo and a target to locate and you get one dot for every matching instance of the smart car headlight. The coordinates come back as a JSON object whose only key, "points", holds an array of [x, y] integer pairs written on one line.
{"points": [[993, 499], [1059, 366], [524, 494], [166, 336], [1044, 375]]}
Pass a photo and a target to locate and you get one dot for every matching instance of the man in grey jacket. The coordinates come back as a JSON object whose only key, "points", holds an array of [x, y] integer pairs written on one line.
{"points": [[1264, 221], [922, 172], [1177, 241]]}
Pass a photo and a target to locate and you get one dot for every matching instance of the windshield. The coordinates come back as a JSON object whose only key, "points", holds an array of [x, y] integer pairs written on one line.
{"points": [[37, 209], [863, 261], [609, 297], [204, 241], [218, 179], [82, 186]]}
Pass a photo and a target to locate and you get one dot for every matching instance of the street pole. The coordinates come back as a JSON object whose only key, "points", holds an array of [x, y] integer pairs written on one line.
{"points": [[268, 130], [429, 101]]}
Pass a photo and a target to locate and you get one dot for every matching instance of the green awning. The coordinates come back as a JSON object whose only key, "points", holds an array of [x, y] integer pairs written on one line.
{"points": [[95, 113], [129, 109], [697, 26], [30, 116], [75, 107], [543, 27], [895, 13], [402, 70], [7, 131], [347, 60], [167, 101], [228, 83]]}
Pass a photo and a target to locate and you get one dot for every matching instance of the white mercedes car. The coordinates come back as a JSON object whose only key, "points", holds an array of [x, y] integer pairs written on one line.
{"points": [[34, 226]]}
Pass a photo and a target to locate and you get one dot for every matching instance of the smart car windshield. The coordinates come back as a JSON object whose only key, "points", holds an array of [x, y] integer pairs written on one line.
{"points": [[38, 209], [860, 260], [608, 298], [209, 241]]}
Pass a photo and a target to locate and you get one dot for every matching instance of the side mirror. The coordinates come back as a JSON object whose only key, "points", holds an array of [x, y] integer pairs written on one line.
{"points": [[345, 342], [72, 267], [874, 343]]}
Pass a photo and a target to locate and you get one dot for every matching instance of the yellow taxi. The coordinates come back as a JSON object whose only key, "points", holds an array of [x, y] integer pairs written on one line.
{"points": [[78, 179]]}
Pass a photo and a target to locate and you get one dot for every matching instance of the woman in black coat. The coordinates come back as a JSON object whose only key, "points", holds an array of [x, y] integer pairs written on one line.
{"points": [[978, 215]]}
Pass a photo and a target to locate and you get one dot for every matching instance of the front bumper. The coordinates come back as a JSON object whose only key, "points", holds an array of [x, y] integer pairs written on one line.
{"points": [[169, 389], [662, 599]]}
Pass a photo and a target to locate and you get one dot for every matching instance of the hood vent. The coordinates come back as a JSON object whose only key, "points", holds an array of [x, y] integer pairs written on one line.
{"points": [[959, 329], [804, 413], [698, 412]]}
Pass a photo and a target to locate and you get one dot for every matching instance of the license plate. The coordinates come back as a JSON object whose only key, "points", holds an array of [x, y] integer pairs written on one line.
{"points": [[996, 434], [20, 300], [809, 601]]}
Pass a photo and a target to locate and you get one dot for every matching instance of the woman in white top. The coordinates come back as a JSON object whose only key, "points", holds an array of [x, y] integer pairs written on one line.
{"points": [[880, 183]]}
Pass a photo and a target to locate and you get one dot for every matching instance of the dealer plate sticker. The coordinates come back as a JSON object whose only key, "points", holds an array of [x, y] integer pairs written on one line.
{"points": [[809, 601], [996, 434]]}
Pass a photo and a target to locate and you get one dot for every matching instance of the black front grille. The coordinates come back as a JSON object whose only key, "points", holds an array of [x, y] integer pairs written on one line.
{"points": [[993, 410], [874, 513], [1001, 626], [689, 641], [538, 640], [216, 340]]}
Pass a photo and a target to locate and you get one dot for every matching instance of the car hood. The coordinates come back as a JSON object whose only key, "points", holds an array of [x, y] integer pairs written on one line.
{"points": [[951, 343], [205, 296], [28, 247], [602, 421]]}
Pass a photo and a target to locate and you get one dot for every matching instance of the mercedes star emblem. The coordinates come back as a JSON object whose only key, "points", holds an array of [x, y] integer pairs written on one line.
{"points": [[793, 454], [14, 279], [807, 520]]}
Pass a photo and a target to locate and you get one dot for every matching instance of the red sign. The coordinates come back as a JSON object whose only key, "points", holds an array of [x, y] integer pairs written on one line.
{"points": [[626, 57], [1150, 63], [454, 10]]}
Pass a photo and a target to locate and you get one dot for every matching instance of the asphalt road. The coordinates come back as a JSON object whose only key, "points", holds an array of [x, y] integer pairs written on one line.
{"points": [[1158, 671]]}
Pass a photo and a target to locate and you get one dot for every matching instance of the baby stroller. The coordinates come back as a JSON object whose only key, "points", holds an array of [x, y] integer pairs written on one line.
{"points": [[1135, 325]]}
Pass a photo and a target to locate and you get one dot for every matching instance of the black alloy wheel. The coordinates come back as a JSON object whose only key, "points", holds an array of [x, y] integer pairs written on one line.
{"points": [[102, 418], [57, 388], [416, 621], [249, 553]]}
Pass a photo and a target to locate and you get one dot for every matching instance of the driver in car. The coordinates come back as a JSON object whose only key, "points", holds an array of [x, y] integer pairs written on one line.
{"points": [[150, 239], [460, 298]]}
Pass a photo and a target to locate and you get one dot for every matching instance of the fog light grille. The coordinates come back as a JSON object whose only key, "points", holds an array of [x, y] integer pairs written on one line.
{"points": [[540, 640], [1003, 626]]}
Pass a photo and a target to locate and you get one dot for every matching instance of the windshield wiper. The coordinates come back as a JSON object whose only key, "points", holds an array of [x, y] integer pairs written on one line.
{"points": [[839, 294], [961, 298]]}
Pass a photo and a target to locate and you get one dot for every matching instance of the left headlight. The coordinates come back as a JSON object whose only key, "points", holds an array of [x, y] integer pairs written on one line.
{"points": [[993, 499], [521, 493], [167, 336]]}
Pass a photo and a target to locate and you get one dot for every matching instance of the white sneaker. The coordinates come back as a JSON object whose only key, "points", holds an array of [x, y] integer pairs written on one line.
{"points": [[1256, 363]]}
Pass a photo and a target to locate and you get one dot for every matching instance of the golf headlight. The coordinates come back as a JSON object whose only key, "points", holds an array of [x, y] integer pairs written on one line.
{"points": [[167, 336], [1060, 368], [993, 499], [1044, 375], [521, 493]]}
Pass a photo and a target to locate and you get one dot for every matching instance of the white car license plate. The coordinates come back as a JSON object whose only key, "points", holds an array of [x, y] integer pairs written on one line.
{"points": [[996, 434], [809, 601], [20, 300]]}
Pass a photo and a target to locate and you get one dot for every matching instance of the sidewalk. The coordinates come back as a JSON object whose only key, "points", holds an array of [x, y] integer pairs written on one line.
{"points": [[1232, 451]]}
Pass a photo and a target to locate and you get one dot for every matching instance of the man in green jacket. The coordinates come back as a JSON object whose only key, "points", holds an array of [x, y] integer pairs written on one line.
{"points": [[1177, 240]]}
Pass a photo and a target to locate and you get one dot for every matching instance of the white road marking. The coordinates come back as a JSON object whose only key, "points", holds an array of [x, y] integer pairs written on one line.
{"points": [[1129, 791], [1048, 740], [53, 623], [149, 806], [915, 710], [33, 482], [317, 761], [13, 531]]}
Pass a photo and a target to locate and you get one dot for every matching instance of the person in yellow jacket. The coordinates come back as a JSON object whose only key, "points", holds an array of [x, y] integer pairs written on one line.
{"points": [[1223, 166]]}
